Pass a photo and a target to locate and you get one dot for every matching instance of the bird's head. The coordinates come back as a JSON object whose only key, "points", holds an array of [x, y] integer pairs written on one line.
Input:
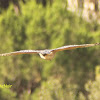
{"points": [[47, 55]]}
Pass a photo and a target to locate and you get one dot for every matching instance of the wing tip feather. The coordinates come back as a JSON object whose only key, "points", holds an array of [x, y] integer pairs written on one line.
{"points": [[97, 44]]}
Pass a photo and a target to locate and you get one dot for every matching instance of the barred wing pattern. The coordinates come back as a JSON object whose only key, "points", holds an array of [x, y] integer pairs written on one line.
{"points": [[70, 47], [21, 52]]}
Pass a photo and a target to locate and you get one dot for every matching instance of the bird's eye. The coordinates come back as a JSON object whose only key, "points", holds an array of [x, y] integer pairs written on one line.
{"points": [[44, 54]]}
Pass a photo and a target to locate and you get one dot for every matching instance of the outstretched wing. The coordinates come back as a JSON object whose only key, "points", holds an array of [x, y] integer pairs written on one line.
{"points": [[21, 52], [70, 47]]}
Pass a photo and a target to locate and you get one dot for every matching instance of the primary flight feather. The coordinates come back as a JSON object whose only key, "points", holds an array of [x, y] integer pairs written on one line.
{"points": [[48, 54]]}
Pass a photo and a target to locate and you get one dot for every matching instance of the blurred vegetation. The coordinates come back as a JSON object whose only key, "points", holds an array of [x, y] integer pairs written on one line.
{"points": [[70, 75]]}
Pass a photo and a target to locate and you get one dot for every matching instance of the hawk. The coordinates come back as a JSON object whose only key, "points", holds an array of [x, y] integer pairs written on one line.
{"points": [[48, 54]]}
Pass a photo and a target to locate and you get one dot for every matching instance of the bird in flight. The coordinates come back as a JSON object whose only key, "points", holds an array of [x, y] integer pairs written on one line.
{"points": [[48, 54]]}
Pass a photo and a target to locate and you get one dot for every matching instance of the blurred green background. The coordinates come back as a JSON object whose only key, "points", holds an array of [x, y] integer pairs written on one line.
{"points": [[45, 24]]}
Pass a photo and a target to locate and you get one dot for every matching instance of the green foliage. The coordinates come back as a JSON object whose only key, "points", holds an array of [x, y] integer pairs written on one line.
{"points": [[93, 87], [52, 89], [39, 28], [7, 94]]}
